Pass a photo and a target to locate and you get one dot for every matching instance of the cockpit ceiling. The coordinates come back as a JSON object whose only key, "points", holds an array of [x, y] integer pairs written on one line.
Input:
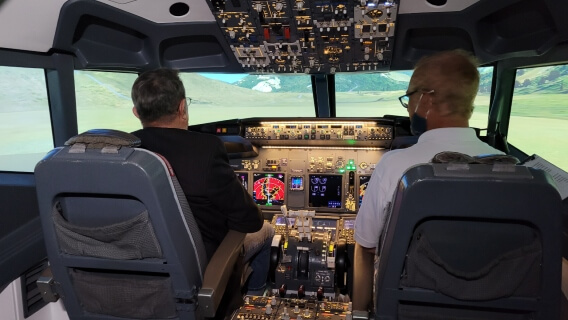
{"points": [[278, 36]]}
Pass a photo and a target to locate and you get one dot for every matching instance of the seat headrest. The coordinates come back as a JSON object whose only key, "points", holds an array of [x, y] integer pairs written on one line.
{"points": [[457, 157], [105, 139]]}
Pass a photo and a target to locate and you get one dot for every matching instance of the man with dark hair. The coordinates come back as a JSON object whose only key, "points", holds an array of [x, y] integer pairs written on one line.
{"points": [[439, 101], [218, 200]]}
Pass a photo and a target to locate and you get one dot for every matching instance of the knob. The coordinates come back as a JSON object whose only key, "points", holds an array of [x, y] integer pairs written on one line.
{"points": [[285, 315], [282, 290], [320, 294], [301, 291]]}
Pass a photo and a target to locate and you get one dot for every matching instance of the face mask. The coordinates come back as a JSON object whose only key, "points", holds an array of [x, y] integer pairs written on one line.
{"points": [[418, 124]]}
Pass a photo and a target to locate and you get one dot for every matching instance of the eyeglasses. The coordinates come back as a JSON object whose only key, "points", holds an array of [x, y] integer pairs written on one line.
{"points": [[188, 100], [406, 98]]}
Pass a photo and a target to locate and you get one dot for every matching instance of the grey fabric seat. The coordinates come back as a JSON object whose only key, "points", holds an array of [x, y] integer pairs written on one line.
{"points": [[471, 241], [121, 239]]}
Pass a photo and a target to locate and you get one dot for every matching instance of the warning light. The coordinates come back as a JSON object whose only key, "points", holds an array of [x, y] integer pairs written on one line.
{"points": [[351, 165]]}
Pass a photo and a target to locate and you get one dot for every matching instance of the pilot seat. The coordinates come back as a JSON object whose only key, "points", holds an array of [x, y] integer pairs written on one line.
{"points": [[121, 239], [471, 240]]}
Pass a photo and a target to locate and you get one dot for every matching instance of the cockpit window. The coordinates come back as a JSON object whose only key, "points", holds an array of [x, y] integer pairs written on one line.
{"points": [[24, 119], [217, 96], [103, 98], [103, 101], [370, 94], [539, 122], [376, 95]]}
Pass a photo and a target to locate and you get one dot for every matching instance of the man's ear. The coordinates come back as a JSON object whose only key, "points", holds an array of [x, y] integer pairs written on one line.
{"points": [[135, 112], [444, 109], [182, 108]]}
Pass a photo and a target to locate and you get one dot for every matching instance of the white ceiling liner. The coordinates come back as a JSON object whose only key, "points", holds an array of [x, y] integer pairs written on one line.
{"points": [[159, 11], [423, 6], [29, 24]]}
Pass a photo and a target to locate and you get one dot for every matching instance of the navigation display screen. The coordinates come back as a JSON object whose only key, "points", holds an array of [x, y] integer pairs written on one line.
{"points": [[268, 188], [325, 191], [243, 178], [297, 183], [363, 182]]}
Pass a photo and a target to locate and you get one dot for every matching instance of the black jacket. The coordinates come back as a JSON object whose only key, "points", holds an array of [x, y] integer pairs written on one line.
{"points": [[218, 201]]}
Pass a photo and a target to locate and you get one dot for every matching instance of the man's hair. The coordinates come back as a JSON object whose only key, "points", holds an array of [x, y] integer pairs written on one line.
{"points": [[156, 94], [453, 76]]}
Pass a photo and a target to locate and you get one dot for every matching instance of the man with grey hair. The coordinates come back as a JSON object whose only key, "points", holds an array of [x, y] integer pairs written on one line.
{"points": [[216, 197], [439, 101]]}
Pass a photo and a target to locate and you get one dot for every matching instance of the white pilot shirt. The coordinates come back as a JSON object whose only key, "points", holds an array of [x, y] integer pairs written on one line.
{"points": [[371, 217]]}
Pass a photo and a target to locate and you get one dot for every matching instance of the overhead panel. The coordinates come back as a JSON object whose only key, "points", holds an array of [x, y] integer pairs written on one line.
{"points": [[302, 36]]}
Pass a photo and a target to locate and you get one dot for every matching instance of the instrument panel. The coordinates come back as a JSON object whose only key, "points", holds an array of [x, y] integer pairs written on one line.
{"points": [[325, 181], [309, 178], [317, 165]]}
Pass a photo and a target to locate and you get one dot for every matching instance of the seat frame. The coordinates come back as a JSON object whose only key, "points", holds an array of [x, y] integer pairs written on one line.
{"points": [[490, 193], [133, 173]]}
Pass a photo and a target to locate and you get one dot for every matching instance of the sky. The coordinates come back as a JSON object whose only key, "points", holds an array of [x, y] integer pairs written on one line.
{"points": [[226, 77]]}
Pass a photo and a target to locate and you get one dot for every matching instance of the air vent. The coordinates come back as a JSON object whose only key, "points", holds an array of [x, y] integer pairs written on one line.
{"points": [[437, 3], [179, 9], [31, 296]]}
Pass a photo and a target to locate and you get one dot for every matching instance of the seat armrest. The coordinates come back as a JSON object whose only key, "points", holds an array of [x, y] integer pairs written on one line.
{"points": [[218, 271]]}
